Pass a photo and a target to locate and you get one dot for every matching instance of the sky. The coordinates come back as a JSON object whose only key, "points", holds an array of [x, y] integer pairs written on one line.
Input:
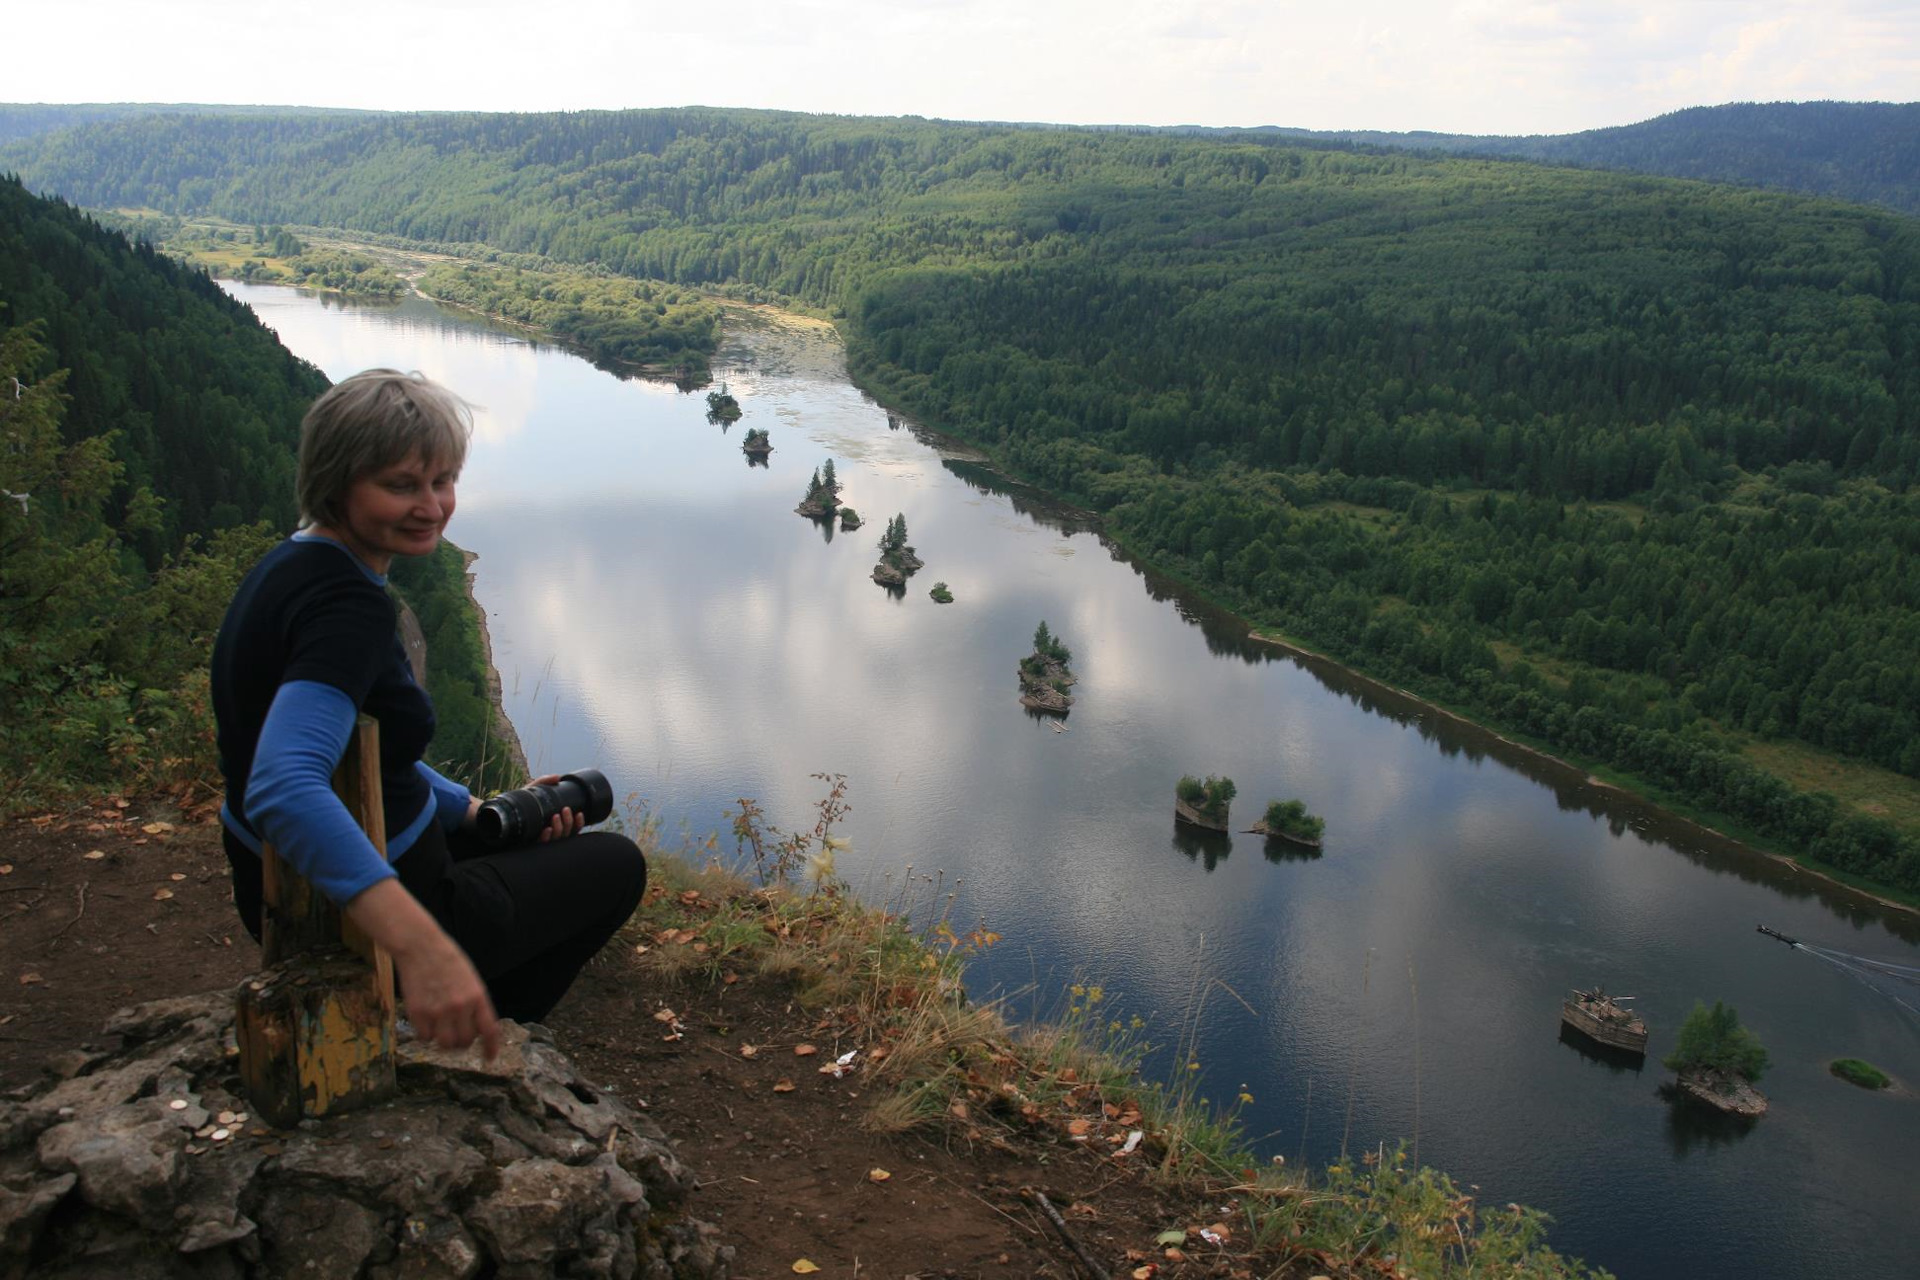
{"points": [[1458, 66]]}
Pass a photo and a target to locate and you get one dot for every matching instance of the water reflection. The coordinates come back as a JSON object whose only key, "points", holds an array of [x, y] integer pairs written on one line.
{"points": [[1617, 1061], [1695, 1125], [1209, 848], [1277, 850]]}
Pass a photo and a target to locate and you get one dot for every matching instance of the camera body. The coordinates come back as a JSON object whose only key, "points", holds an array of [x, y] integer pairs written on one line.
{"points": [[519, 816]]}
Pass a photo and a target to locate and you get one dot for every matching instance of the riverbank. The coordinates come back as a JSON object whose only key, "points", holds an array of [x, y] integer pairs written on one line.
{"points": [[1704, 823], [499, 725]]}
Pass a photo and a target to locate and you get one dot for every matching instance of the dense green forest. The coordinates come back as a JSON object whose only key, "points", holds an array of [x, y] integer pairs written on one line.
{"points": [[1864, 151], [151, 425], [1622, 463]]}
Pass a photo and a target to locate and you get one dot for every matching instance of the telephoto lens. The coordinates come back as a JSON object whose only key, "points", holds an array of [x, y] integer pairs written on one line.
{"points": [[519, 816]]}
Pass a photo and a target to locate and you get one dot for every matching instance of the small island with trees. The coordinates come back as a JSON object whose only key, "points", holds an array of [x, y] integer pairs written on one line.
{"points": [[1203, 802], [757, 444], [897, 561], [722, 407], [1045, 675], [849, 518], [940, 593], [1718, 1060], [823, 494], [1864, 1074], [1289, 820]]}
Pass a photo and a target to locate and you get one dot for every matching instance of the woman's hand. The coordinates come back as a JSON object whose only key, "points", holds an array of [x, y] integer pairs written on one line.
{"points": [[446, 997], [565, 823]]}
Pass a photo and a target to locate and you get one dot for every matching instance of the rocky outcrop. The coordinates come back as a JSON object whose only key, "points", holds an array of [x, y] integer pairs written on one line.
{"points": [[143, 1161], [894, 570], [1044, 683], [1727, 1093]]}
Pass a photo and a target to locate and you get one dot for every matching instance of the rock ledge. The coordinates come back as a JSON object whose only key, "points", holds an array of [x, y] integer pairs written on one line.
{"points": [[140, 1162]]}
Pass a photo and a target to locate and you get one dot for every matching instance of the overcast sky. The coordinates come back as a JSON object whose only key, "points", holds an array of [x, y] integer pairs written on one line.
{"points": [[1468, 66]]}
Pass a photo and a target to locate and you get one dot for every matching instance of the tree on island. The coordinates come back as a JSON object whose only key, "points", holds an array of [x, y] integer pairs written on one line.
{"points": [[1290, 818], [1049, 647], [893, 543], [1713, 1043], [1208, 798], [822, 500], [722, 407]]}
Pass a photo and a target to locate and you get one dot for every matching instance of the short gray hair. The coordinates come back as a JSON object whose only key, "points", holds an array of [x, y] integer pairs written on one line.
{"points": [[371, 421]]}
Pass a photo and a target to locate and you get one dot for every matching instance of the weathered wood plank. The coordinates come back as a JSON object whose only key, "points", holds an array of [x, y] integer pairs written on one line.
{"points": [[315, 1026]]}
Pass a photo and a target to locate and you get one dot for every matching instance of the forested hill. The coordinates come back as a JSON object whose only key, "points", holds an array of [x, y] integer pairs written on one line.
{"points": [[200, 401], [1862, 151], [149, 420], [1624, 463]]}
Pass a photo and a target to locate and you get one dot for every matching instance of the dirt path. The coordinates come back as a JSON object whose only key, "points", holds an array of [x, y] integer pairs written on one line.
{"points": [[109, 906]]}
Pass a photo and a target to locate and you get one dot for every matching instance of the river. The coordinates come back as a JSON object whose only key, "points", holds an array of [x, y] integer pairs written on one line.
{"points": [[658, 610]]}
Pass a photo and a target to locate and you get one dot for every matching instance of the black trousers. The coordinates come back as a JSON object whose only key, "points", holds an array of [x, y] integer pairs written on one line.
{"points": [[528, 918]]}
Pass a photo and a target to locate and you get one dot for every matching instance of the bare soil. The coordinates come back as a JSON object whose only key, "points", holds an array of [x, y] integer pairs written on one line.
{"points": [[788, 1174]]}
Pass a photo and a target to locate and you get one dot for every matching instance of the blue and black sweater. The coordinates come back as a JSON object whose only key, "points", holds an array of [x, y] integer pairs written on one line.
{"points": [[309, 640]]}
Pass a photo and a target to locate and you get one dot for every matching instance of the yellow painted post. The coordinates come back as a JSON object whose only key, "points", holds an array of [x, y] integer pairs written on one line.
{"points": [[315, 1026]]}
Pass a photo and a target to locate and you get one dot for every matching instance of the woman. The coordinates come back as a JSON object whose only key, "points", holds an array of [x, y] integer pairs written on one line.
{"points": [[309, 641]]}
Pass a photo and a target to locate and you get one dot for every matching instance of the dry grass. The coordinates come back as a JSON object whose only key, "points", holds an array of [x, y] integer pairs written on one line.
{"points": [[936, 1059], [1867, 788]]}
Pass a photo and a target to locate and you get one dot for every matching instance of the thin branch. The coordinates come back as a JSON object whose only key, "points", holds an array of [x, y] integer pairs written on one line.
{"points": [[1060, 1225]]}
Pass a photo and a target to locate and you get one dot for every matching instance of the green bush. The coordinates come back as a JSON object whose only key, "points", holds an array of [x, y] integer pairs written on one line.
{"points": [[1864, 1074], [1713, 1040]]}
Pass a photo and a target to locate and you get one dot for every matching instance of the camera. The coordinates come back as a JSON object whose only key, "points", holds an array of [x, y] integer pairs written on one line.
{"points": [[519, 816]]}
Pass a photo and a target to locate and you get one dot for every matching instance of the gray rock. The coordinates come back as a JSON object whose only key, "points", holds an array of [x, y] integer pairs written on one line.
{"points": [[23, 1212], [318, 1233], [517, 1169], [128, 1159]]}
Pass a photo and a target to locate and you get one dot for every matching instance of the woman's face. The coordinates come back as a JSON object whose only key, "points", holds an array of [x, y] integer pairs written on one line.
{"points": [[399, 510]]}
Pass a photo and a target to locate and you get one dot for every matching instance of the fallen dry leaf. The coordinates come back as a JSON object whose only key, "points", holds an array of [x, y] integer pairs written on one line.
{"points": [[157, 828], [805, 1268], [94, 855], [690, 896], [177, 876], [804, 1051], [665, 1015], [161, 895], [1078, 1128], [749, 1051], [1147, 1272], [730, 978], [6, 868], [119, 803], [31, 979], [878, 1175], [783, 1085]]}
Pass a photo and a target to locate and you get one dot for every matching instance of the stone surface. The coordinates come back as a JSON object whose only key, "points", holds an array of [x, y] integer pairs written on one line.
{"points": [[516, 1168]]}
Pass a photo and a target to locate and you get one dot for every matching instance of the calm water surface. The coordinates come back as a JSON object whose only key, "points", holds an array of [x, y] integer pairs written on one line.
{"points": [[657, 609]]}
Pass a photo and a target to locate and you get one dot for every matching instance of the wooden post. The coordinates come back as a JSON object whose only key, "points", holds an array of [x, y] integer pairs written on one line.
{"points": [[315, 1026]]}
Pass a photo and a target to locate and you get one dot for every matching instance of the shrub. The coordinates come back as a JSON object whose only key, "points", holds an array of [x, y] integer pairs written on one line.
{"points": [[1864, 1074], [1713, 1040]]}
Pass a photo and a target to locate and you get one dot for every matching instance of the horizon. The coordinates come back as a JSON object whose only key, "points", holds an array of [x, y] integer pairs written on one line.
{"points": [[1107, 125], [1511, 68]]}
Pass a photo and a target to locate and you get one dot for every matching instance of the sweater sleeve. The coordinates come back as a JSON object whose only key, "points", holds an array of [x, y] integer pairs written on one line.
{"points": [[290, 799], [450, 800]]}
